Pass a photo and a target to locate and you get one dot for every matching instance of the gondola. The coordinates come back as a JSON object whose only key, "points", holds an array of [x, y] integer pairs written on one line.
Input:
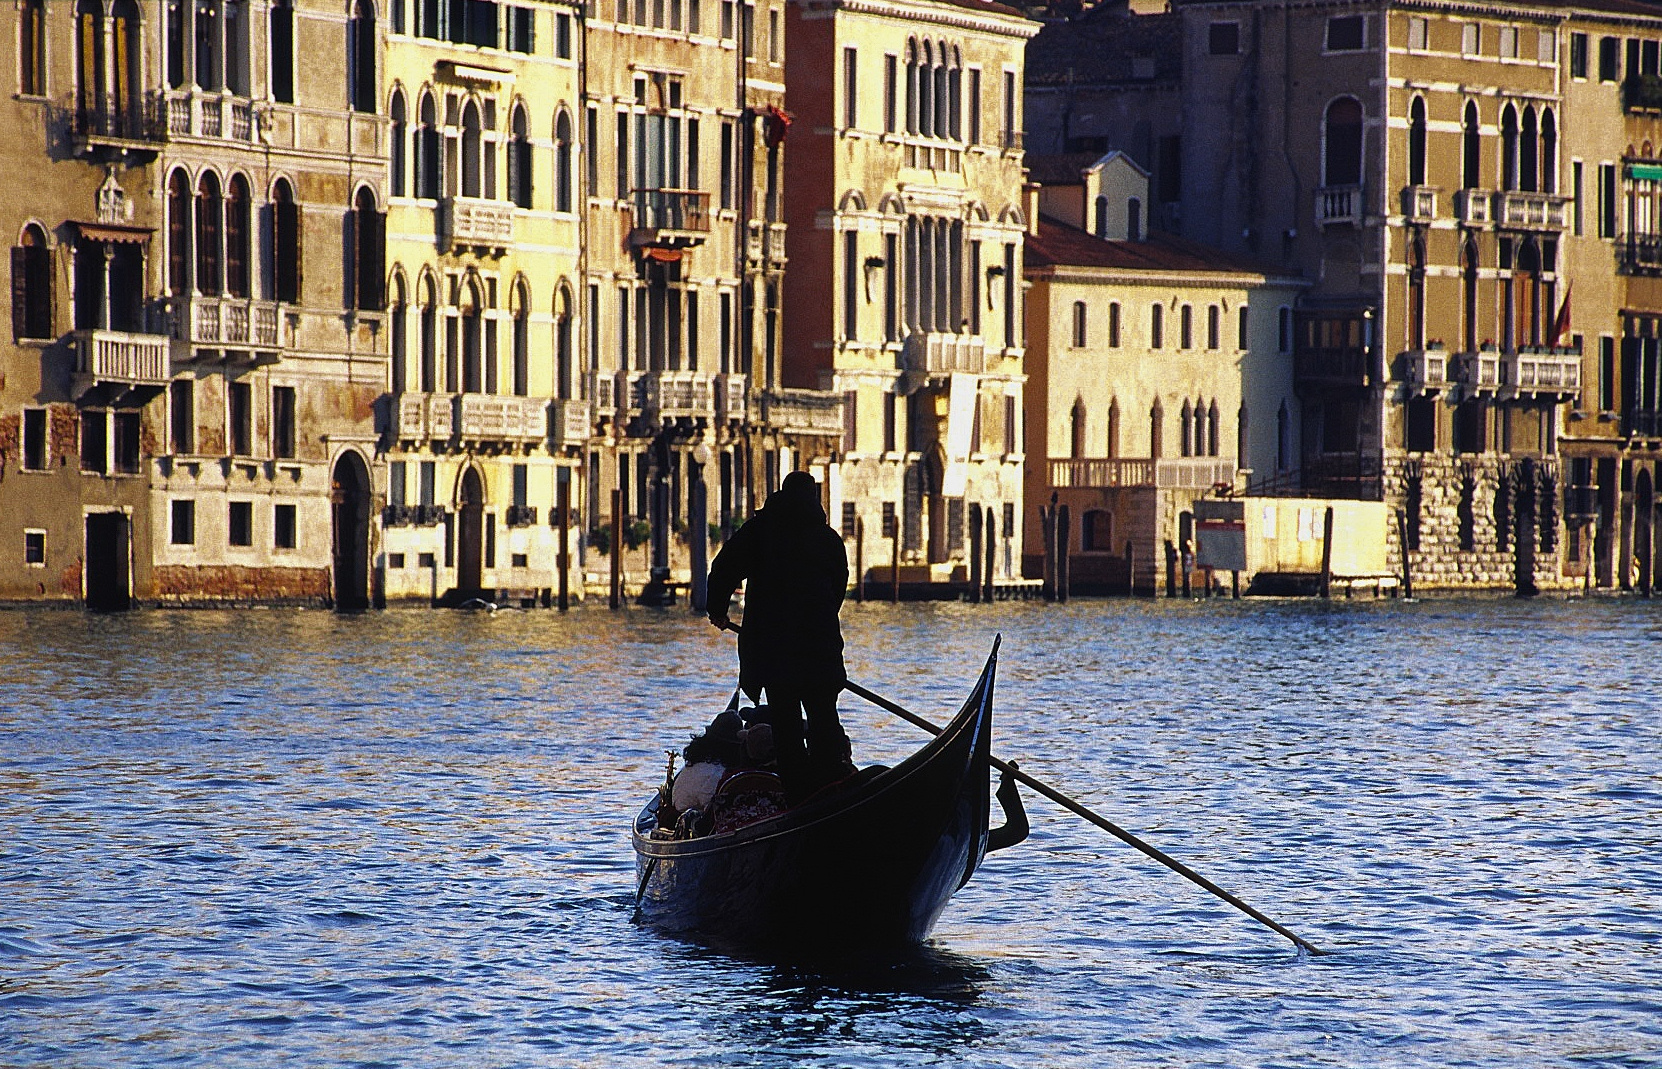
{"points": [[869, 862]]}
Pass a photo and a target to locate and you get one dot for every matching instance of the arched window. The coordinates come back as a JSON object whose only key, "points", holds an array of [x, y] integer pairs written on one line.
{"points": [[32, 285], [519, 159], [427, 303], [209, 235], [1100, 219], [1549, 152], [1416, 142], [912, 85], [207, 43], [1186, 328], [31, 48], [521, 345], [397, 170], [563, 177], [1114, 325], [235, 65], [1528, 147], [1416, 290], [238, 238], [398, 308], [473, 362], [427, 149], [1156, 429], [926, 90], [1134, 219], [281, 30], [90, 72], [1079, 333], [1212, 428], [1509, 147], [1471, 144], [360, 47], [1342, 143], [1185, 425], [565, 364], [368, 246], [1214, 326], [126, 81], [285, 242], [1114, 427], [472, 147], [1076, 428], [1468, 294], [178, 234], [1157, 326]]}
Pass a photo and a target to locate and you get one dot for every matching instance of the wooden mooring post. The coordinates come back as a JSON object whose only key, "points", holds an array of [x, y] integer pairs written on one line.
{"points": [[1402, 545], [615, 601], [564, 507], [859, 558], [1327, 553]]}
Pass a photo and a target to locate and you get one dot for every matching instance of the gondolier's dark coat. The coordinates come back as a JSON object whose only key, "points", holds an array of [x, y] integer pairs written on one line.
{"points": [[798, 573]]}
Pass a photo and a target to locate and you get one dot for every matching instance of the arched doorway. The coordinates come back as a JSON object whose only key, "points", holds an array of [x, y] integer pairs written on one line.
{"points": [[108, 575], [349, 514], [1644, 513], [470, 535]]}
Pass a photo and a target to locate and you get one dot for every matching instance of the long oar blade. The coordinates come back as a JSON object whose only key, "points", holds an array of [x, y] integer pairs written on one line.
{"points": [[1095, 818]]}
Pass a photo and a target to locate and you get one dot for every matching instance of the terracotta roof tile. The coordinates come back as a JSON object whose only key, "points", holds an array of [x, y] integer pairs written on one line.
{"points": [[1058, 244]]}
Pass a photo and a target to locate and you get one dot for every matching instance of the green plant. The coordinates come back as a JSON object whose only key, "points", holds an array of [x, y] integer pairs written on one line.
{"points": [[600, 539], [636, 534]]}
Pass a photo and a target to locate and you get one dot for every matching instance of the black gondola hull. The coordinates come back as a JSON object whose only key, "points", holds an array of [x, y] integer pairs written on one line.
{"points": [[873, 864]]}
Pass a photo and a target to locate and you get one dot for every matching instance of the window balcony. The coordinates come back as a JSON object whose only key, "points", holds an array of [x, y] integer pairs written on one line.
{"points": [[126, 126], [1639, 254], [1197, 473], [603, 387], [119, 361], [1474, 207], [936, 353], [425, 417], [1480, 374], [501, 422], [1545, 373], [765, 242], [732, 398], [195, 114], [672, 395], [217, 322], [479, 223], [1533, 211], [1339, 206], [1642, 93], [806, 412], [1419, 204], [1425, 371], [669, 218], [569, 422]]}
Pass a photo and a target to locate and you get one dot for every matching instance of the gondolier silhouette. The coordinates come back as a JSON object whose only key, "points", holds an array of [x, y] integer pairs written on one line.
{"points": [[791, 645]]}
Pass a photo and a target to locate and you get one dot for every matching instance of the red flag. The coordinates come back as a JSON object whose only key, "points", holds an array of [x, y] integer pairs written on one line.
{"points": [[1561, 325]]}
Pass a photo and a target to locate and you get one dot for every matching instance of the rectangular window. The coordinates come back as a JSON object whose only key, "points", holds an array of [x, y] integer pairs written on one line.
{"points": [[1011, 439], [1578, 55], [1575, 194], [1609, 59], [428, 477], [1607, 374], [727, 163], [126, 441], [34, 548], [889, 525], [95, 442], [726, 20], [397, 482], [522, 485], [1012, 111], [282, 421], [889, 95], [1471, 39], [1241, 336], [1284, 330], [1224, 38], [1157, 327], [1607, 200], [34, 439], [1418, 34], [239, 418], [622, 148], [1508, 42], [973, 106], [241, 525], [776, 38], [183, 526], [851, 421], [1346, 33], [182, 415], [891, 420], [851, 88], [1546, 47], [1114, 325], [283, 527], [562, 36]]}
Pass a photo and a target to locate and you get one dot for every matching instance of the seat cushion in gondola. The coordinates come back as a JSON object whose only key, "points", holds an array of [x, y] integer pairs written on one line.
{"points": [[746, 797]]}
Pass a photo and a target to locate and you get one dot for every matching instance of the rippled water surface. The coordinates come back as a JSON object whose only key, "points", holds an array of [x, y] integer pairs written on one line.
{"points": [[262, 838]]}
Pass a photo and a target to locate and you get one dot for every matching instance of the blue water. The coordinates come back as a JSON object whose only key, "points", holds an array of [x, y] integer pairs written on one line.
{"points": [[262, 838]]}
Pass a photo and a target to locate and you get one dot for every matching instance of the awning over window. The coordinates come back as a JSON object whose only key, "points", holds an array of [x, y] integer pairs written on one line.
{"points": [[1645, 172], [112, 232]]}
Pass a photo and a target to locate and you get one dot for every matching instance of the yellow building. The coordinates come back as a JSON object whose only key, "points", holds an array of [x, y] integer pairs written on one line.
{"points": [[191, 385], [1158, 371], [486, 410], [905, 291]]}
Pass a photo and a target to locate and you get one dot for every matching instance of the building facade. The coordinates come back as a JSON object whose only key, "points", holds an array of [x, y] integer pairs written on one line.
{"points": [[192, 387], [905, 295]]}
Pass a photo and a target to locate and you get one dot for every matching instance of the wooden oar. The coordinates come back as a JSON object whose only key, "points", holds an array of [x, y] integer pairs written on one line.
{"points": [[1100, 821]]}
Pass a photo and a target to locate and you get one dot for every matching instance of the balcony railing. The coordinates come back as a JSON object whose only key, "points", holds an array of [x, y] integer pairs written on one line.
{"points": [[425, 417], [1419, 203], [1533, 211], [1474, 207], [1482, 372], [475, 222], [1196, 473], [119, 358], [491, 419], [603, 387], [817, 412], [672, 394], [121, 123], [731, 394], [1553, 372], [941, 354], [1334, 368], [194, 113], [1425, 370], [569, 422], [228, 321], [670, 218], [1642, 423], [1339, 206], [1640, 254]]}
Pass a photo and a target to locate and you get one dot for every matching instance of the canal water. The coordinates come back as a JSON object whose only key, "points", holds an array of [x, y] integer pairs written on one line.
{"points": [[268, 837]]}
